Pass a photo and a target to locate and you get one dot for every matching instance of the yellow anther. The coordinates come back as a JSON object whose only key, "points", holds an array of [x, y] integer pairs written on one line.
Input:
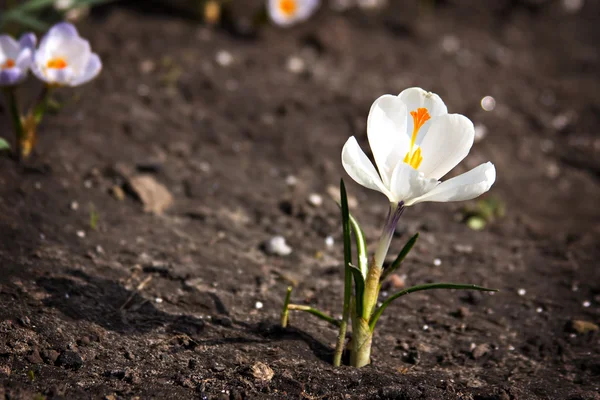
{"points": [[288, 7], [413, 157], [9, 63], [57, 63]]}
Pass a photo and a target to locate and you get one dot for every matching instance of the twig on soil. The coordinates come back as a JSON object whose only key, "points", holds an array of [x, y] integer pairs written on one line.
{"points": [[140, 287]]}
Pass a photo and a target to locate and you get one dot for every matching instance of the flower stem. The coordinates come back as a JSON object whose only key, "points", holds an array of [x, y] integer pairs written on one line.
{"points": [[15, 114], [285, 314]]}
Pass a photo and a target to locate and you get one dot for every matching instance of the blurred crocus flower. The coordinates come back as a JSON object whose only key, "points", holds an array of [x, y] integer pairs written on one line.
{"points": [[64, 58], [15, 58], [289, 12], [415, 142]]}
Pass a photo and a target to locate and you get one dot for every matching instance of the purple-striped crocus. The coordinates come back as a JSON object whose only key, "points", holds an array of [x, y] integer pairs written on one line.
{"points": [[64, 58], [15, 58]]}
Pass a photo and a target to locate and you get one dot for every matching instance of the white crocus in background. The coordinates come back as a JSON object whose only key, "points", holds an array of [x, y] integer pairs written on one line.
{"points": [[15, 58], [289, 12], [64, 58]]}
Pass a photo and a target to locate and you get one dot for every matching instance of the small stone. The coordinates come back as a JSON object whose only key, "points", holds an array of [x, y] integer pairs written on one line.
{"points": [[81, 234], [463, 312], [224, 58], [49, 356], [277, 246], [258, 305], [147, 66], [117, 192], [158, 300], [586, 304], [397, 281], [329, 241], [488, 103], [450, 44], [296, 65], [69, 359], [315, 200], [463, 248], [74, 206], [521, 292], [291, 180], [582, 327], [218, 367], [35, 357], [155, 197], [480, 350], [437, 262], [262, 372], [85, 341]]}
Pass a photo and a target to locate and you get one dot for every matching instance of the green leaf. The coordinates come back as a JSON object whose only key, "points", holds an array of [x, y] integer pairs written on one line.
{"points": [[359, 288], [403, 253], [23, 19], [418, 288], [347, 250], [361, 246], [4, 145]]}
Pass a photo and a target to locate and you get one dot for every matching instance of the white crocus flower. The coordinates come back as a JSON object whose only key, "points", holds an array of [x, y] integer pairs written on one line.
{"points": [[289, 12], [64, 58], [15, 58], [415, 142]]}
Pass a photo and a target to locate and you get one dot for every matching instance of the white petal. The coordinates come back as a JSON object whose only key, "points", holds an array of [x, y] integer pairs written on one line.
{"points": [[415, 98], [92, 70], [59, 76], [28, 40], [9, 48], [447, 143], [53, 40], [24, 59], [408, 183], [386, 129], [304, 9], [463, 187], [359, 167]]}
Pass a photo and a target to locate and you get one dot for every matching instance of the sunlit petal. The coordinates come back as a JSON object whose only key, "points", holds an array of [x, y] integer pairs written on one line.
{"points": [[359, 167]]}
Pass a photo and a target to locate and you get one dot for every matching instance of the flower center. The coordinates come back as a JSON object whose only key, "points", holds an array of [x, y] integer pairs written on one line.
{"points": [[288, 7], [413, 157], [57, 63], [9, 63]]}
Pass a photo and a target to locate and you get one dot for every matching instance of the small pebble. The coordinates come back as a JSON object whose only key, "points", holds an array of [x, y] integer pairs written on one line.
{"points": [[74, 206], [224, 58], [437, 262], [277, 246], [329, 242], [315, 200], [463, 248], [425, 327], [488, 103], [158, 300], [81, 234], [586, 304], [99, 249], [258, 305], [450, 44], [291, 180], [539, 310], [521, 292], [296, 65]]}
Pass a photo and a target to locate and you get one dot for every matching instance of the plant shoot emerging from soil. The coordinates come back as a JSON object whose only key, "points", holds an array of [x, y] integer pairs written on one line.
{"points": [[415, 142], [62, 59]]}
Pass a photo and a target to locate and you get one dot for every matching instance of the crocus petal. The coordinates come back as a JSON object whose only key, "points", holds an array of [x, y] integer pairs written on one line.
{"points": [[63, 29], [9, 48], [92, 69], [24, 59], [11, 76], [447, 143], [415, 98], [59, 76], [463, 187], [386, 127], [304, 9], [359, 167], [28, 41], [76, 52], [408, 183], [54, 40]]}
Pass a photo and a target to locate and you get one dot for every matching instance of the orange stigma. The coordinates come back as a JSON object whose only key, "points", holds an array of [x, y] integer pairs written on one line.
{"points": [[57, 63], [413, 157], [9, 63], [288, 7]]}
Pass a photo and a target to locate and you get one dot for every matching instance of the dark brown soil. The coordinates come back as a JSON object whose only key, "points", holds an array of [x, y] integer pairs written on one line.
{"points": [[223, 140]]}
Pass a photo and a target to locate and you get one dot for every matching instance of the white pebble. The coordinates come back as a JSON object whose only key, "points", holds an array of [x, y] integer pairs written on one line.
{"points": [[74, 206], [158, 300], [425, 327], [488, 103], [81, 234], [258, 305], [99, 249], [521, 292], [573, 6], [450, 44], [315, 199], [277, 246], [587, 303], [539, 310], [296, 65], [224, 58], [329, 241], [291, 180], [437, 262]]}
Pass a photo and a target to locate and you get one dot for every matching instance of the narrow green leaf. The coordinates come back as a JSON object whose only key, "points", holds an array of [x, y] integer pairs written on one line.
{"points": [[33, 5], [403, 253], [24, 19], [359, 288], [418, 288], [361, 246], [4, 145], [315, 312]]}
